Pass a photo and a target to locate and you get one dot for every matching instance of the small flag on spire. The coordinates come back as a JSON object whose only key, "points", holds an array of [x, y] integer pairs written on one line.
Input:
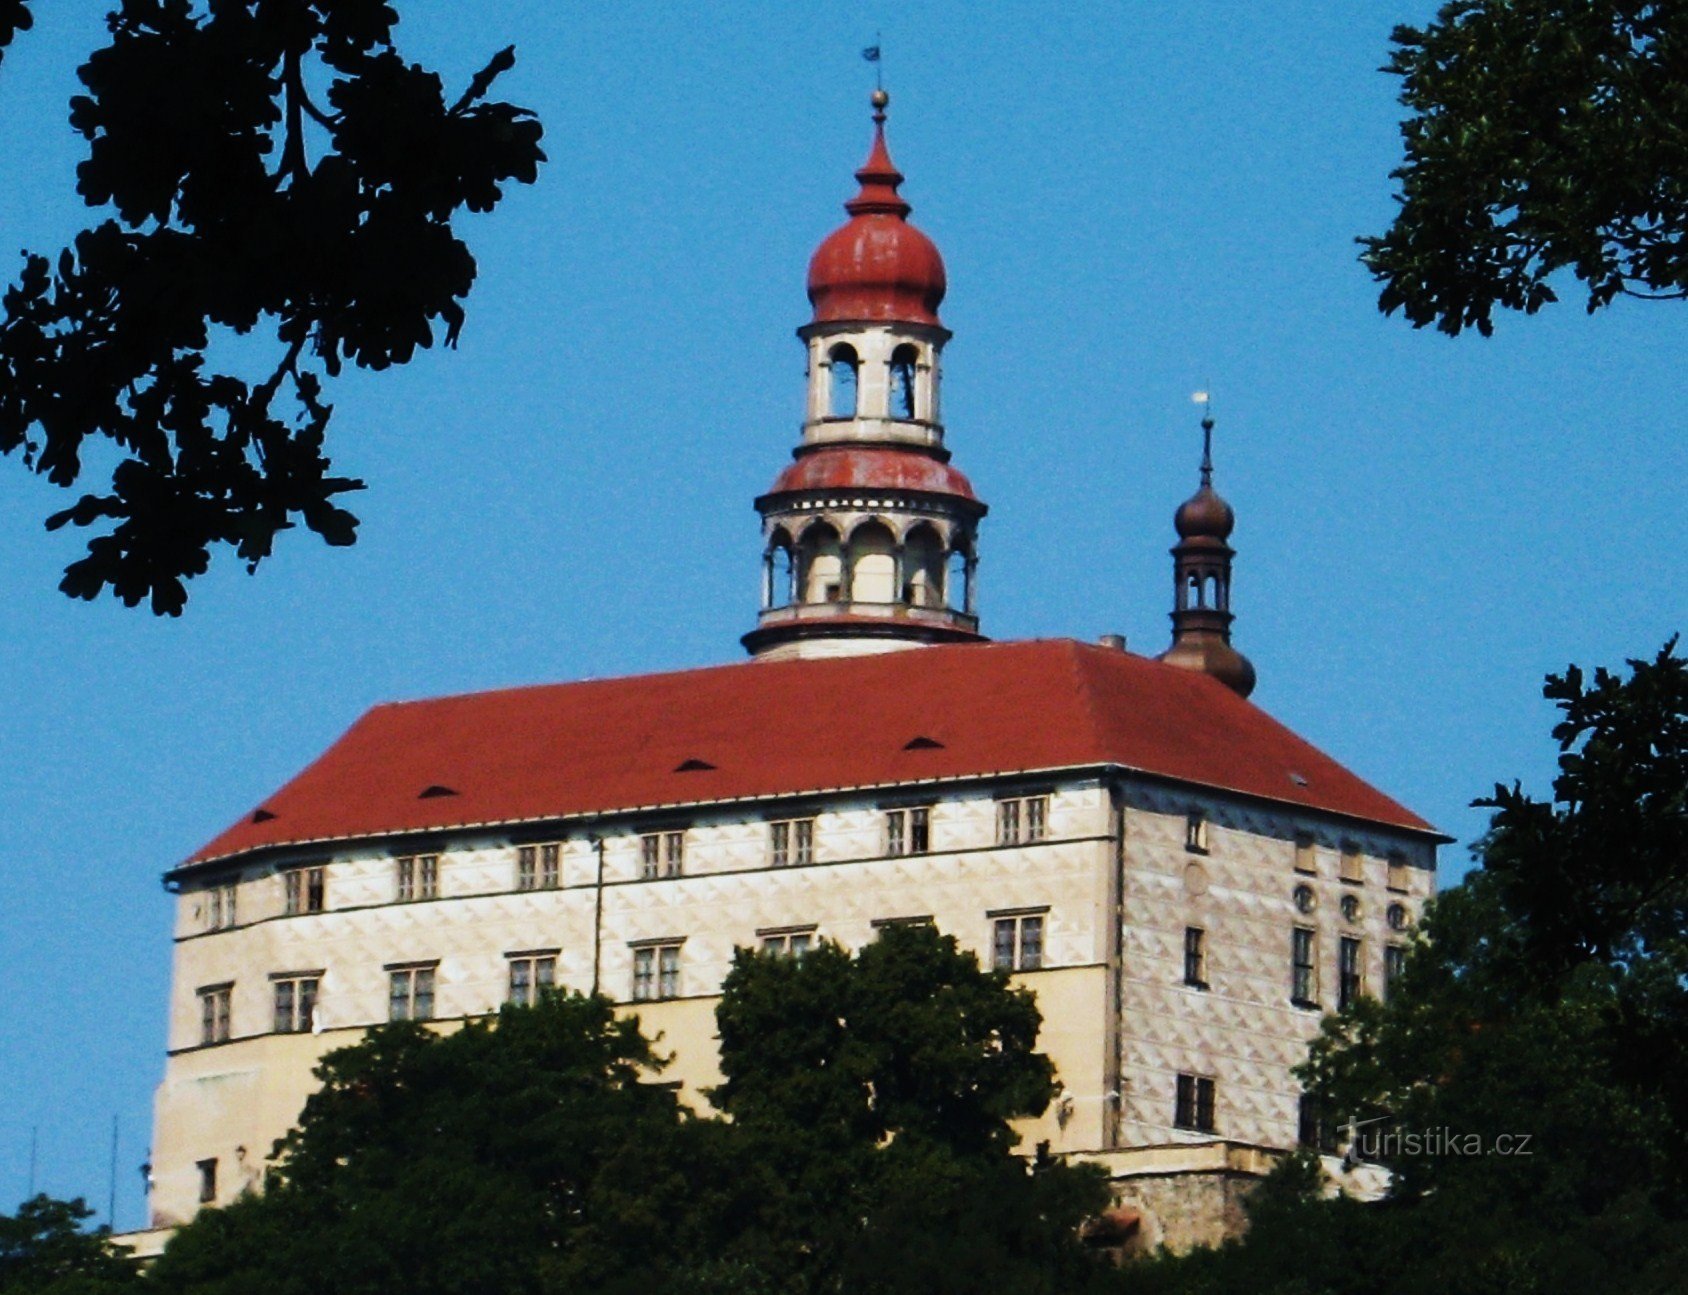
{"points": [[871, 53], [1199, 397]]}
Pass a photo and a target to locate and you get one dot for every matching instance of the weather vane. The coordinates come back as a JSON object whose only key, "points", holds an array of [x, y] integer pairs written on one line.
{"points": [[1205, 400], [875, 54]]}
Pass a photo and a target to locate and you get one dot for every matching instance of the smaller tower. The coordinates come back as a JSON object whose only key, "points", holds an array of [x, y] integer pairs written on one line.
{"points": [[1201, 565]]}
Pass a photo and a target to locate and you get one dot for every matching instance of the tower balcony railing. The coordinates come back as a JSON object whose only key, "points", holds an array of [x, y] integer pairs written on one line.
{"points": [[892, 431], [800, 613]]}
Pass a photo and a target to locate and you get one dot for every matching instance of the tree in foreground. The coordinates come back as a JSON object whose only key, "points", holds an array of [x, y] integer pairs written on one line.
{"points": [[46, 1249], [868, 1149], [1527, 1079], [274, 169], [878, 1088], [1546, 137]]}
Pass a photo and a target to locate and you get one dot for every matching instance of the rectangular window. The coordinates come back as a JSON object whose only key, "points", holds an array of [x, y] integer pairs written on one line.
{"points": [[1399, 875], [1008, 822], [791, 842], [207, 1180], [882, 924], [656, 972], [418, 877], [1304, 987], [1195, 957], [662, 854], [219, 909], [295, 1003], [1193, 1106], [1017, 943], [1305, 860], [1195, 832], [791, 944], [1394, 963], [410, 993], [304, 889], [908, 831], [539, 867], [1349, 982], [1314, 1129], [1022, 820], [215, 1004], [531, 975], [1352, 865]]}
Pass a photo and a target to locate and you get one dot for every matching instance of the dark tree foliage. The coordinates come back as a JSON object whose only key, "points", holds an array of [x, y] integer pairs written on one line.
{"points": [[910, 1037], [482, 1160], [45, 1249], [1527, 1076], [274, 168], [881, 1086], [1545, 136], [14, 17], [535, 1154]]}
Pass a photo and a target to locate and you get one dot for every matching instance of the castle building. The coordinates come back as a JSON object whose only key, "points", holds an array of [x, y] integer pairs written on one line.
{"points": [[1185, 883]]}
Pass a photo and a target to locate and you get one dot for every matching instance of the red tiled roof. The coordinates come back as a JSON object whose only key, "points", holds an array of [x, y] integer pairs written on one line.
{"points": [[783, 727]]}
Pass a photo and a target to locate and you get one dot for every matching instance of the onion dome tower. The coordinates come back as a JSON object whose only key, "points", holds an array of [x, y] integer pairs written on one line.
{"points": [[1201, 563], [868, 535]]}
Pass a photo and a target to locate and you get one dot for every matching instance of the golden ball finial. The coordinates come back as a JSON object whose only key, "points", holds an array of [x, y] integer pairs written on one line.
{"points": [[880, 99]]}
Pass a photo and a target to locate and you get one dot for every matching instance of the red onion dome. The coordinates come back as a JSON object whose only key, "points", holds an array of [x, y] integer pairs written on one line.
{"points": [[877, 266]]}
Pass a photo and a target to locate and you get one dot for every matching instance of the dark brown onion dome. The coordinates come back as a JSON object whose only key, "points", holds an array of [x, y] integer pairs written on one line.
{"points": [[877, 266], [1213, 654], [1204, 515]]}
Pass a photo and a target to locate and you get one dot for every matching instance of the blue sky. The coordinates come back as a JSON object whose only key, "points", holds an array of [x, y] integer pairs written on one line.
{"points": [[1135, 201]]}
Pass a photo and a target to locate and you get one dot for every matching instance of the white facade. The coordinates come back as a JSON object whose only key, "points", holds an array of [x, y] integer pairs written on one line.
{"points": [[1113, 882]]}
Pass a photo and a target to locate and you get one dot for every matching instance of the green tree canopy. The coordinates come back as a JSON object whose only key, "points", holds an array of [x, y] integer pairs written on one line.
{"points": [[1544, 136], [45, 1249], [876, 1090], [910, 1037], [272, 168], [536, 1153]]}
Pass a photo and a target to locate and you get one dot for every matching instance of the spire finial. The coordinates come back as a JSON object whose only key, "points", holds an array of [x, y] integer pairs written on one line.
{"points": [[878, 175], [1205, 400]]}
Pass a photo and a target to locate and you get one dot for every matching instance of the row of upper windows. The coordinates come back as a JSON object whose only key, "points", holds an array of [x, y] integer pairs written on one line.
{"points": [[1020, 820], [1016, 945], [1351, 859], [1304, 969]]}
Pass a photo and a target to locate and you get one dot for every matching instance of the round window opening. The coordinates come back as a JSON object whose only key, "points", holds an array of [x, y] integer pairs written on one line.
{"points": [[1305, 901], [1397, 917], [1351, 908]]}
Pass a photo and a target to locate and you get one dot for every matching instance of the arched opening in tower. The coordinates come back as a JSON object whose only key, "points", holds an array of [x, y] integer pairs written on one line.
{"points": [[923, 568], [873, 564], [820, 564], [905, 365], [844, 367]]}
